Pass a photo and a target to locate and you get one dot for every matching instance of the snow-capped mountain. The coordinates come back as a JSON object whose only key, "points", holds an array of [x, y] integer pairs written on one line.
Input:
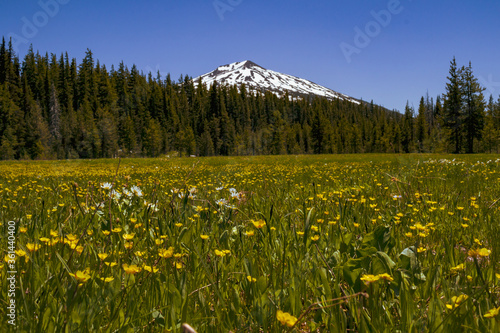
{"points": [[258, 78]]}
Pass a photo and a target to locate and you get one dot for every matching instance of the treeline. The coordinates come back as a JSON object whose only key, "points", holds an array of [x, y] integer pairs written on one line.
{"points": [[463, 123], [54, 107]]}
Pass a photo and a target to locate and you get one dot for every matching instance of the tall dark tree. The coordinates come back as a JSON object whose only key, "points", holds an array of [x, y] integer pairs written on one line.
{"points": [[474, 106], [421, 125], [453, 102], [407, 130]]}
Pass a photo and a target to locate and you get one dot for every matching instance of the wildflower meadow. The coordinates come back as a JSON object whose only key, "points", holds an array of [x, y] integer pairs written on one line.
{"points": [[325, 243]]}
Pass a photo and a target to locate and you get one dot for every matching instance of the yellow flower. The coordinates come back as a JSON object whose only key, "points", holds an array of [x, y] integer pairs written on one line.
{"points": [[117, 229], [356, 225], [285, 318], [460, 267], [492, 313], [497, 275], [29, 216], [81, 276], [456, 301], [369, 278], [44, 239], [133, 220], [106, 232], [90, 232], [150, 269], [108, 279], [33, 247], [54, 233], [159, 241], [300, 233], [178, 265], [164, 253], [102, 256], [385, 276], [204, 237], [259, 223], [220, 253], [128, 245], [484, 252], [479, 252], [421, 249], [315, 238], [131, 269], [23, 229], [139, 253], [250, 233], [178, 225], [20, 253], [251, 279], [110, 264], [71, 237]]}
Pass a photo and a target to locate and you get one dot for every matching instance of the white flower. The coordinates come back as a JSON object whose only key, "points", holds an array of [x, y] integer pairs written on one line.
{"points": [[106, 186], [115, 195], [221, 202], [219, 188], [127, 193], [136, 190]]}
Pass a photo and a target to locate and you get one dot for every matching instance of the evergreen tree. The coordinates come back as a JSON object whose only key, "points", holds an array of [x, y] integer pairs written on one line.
{"points": [[407, 130], [474, 108], [452, 113], [421, 125]]}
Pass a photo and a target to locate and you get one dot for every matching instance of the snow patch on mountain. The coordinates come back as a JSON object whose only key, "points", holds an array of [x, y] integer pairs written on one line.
{"points": [[258, 78]]}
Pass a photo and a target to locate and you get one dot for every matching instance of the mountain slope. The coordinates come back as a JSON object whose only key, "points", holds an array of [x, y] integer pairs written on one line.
{"points": [[258, 78]]}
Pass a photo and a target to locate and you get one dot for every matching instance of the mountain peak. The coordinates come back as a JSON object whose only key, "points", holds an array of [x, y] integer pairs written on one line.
{"points": [[238, 65], [258, 78]]}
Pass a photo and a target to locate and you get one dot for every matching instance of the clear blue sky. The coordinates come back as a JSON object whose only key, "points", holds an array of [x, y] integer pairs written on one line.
{"points": [[404, 58]]}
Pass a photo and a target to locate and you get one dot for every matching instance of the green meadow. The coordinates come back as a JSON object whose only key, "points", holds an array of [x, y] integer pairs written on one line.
{"points": [[325, 243]]}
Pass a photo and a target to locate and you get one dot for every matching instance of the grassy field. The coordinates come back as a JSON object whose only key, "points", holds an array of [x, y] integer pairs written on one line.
{"points": [[359, 243]]}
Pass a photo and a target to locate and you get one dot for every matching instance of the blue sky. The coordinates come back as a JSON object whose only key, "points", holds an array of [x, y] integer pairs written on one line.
{"points": [[338, 44]]}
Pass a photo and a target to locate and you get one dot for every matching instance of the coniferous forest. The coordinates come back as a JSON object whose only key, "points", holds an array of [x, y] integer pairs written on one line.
{"points": [[54, 107]]}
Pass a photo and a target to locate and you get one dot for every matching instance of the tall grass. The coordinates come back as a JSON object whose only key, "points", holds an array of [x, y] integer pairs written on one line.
{"points": [[365, 243]]}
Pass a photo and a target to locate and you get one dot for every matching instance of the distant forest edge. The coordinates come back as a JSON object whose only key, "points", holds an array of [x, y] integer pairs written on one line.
{"points": [[54, 108]]}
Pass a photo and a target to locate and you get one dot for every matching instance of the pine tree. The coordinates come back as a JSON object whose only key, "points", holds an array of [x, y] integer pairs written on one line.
{"points": [[421, 126], [407, 130], [452, 113], [490, 134], [474, 105]]}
